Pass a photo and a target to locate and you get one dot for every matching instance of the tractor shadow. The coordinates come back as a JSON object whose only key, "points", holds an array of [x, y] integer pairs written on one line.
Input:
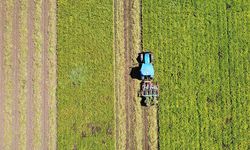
{"points": [[143, 101], [135, 74], [135, 71]]}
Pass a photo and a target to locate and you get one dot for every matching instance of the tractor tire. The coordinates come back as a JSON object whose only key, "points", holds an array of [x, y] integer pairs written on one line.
{"points": [[147, 102], [141, 57], [142, 77], [151, 58]]}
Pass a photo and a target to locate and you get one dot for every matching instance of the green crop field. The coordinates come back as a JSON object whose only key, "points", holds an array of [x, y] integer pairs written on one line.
{"points": [[202, 54], [85, 75]]}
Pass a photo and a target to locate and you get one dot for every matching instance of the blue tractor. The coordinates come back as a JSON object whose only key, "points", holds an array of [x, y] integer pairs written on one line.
{"points": [[149, 91], [146, 69]]}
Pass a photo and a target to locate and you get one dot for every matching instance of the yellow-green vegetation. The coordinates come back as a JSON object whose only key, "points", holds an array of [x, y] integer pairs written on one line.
{"points": [[202, 64], [37, 66], [85, 90], [23, 72], [7, 74]]}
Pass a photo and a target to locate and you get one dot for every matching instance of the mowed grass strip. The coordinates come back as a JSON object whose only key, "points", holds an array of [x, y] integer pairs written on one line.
{"points": [[201, 52], [37, 67], [119, 78], [8, 82], [85, 75], [52, 65], [23, 57]]}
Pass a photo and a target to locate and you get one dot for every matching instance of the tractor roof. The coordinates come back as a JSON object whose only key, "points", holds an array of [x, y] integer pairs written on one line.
{"points": [[147, 58], [147, 69]]}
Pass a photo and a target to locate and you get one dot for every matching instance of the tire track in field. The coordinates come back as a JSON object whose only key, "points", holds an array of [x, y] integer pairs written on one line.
{"points": [[30, 92], [128, 46], [15, 79], [2, 22], [44, 91]]}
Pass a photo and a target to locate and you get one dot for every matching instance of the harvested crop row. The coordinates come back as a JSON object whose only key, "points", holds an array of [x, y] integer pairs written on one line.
{"points": [[52, 76], [119, 75], [37, 78], [23, 55], [8, 82]]}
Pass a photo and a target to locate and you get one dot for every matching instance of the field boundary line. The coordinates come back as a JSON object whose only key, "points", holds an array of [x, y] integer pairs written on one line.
{"points": [[116, 97]]}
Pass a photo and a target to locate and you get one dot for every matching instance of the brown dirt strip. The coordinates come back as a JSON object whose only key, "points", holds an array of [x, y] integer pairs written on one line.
{"points": [[145, 129], [16, 48], [30, 103], [45, 78], [130, 116], [2, 22]]}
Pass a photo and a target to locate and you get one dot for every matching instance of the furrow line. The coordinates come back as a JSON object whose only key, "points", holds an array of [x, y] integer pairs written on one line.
{"points": [[30, 92], [44, 81]]}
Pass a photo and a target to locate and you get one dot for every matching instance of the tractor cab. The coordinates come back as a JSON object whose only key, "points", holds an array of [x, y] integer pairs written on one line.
{"points": [[146, 68]]}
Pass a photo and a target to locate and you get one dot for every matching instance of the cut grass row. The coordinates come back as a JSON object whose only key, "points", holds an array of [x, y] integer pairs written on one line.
{"points": [[52, 77], [23, 72], [85, 75], [119, 80], [8, 134], [201, 52]]}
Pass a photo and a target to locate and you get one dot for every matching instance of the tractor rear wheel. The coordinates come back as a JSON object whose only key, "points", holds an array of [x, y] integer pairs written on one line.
{"points": [[141, 57], [147, 102]]}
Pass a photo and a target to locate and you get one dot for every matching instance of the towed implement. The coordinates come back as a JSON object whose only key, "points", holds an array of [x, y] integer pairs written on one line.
{"points": [[149, 91]]}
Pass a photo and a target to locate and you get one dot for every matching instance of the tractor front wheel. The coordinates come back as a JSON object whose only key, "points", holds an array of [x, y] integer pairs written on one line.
{"points": [[151, 58]]}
